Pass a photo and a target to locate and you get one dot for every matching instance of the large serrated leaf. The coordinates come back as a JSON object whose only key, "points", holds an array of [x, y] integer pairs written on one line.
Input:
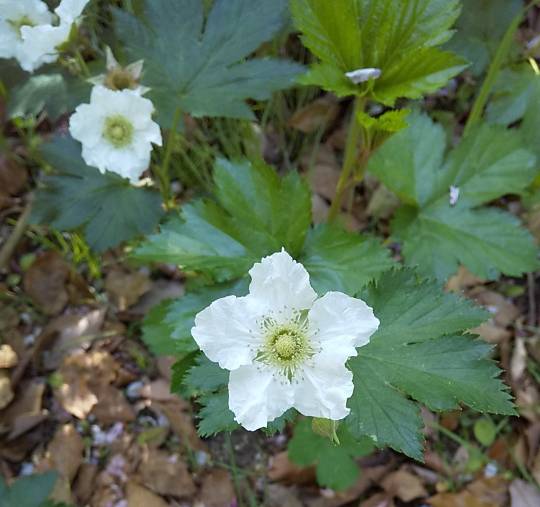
{"points": [[413, 353], [204, 72], [107, 207]]}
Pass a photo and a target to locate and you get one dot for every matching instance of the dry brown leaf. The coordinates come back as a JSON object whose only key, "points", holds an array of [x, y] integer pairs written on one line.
{"points": [[524, 494], [463, 280], [6, 392], [166, 474], [323, 172], [13, 176], [485, 492], [8, 357], [281, 496], [518, 364], [138, 496], [45, 282], [378, 500], [283, 470], [404, 485], [491, 332], [84, 484], [126, 288], [217, 489], [65, 452], [317, 114], [503, 310], [112, 406], [158, 390], [160, 290]]}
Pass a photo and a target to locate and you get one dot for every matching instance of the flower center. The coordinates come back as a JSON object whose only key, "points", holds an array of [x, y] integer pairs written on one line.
{"points": [[17, 24], [118, 130], [286, 346], [120, 79]]}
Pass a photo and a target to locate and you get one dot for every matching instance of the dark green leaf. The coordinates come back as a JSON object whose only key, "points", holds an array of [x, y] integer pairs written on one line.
{"points": [[206, 376], [342, 261], [106, 206], [412, 354], [29, 491], [215, 415], [206, 74]]}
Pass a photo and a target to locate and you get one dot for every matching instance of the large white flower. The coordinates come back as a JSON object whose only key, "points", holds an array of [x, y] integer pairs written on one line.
{"points": [[116, 131], [28, 31], [284, 346]]}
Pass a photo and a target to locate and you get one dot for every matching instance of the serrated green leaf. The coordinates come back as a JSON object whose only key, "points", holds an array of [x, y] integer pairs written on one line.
{"points": [[336, 467], [29, 491], [180, 369], [399, 37], [439, 234], [215, 415], [206, 375], [206, 74], [342, 261], [156, 332], [105, 206], [480, 29], [257, 214], [389, 121], [412, 354], [278, 424], [53, 93]]}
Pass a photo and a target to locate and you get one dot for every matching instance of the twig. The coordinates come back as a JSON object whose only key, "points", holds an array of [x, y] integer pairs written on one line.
{"points": [[531, 289], [9, 246]]}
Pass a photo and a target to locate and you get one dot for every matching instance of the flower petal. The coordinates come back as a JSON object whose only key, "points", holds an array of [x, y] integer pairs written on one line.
{"points": [[227, 331], [281, 284], [338, 320], [323, 387], [257, 396], [69, 10]]}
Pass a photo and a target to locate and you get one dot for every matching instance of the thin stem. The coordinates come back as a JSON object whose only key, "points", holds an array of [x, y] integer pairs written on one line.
{"points": [[163, 170], [351, 152], [496, 64], [16, 235], [81, 62]]}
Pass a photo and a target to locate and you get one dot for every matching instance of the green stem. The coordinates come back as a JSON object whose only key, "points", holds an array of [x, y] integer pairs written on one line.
{"points": [[349, 160], [163, 170], [81, 62], [494, 68]]}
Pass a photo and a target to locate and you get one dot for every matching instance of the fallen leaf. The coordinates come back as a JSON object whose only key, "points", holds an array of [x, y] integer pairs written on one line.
{"points": [[323, 172], [160, 290], [138, 496], [13, 176], [6, 392], [166, 474], [126, 288], [217, 489], [463, 280], [8, 357], [84, 484], [112, 406], [277, 495], [491, 332], [158, 390], [524, 494], [45, 282], [503, 310], [403, 485], [378, 500], [485, 492], [317, 114], [518, 364], [65, 451], [283, 470]]}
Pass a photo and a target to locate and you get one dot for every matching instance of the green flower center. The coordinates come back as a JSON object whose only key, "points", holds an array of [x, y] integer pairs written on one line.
{"points": [[286, 346], [17, 24], [118, 130], [120, 79]]}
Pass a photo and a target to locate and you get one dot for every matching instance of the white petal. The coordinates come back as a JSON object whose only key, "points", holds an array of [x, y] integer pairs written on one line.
{"points": [[9, 40], [323, 387], [337, 320], [361, 75], [69, 10], [40, 43], [227, 331], [281, 284], [257, 397]]}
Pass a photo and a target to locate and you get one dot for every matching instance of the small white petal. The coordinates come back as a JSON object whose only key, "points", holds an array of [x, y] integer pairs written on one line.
{"points": [[361, 75], [323, 388], [257, 397], [69, 10], [112, 62], [227, 331], [40, 44], [454, 195], [281, 284], [338, 320]]}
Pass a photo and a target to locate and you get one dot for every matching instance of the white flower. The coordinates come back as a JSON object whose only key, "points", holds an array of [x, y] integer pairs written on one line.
{"points": [[284, 346], [116, 131], [361, 75], [28, 34], [453, 195]]}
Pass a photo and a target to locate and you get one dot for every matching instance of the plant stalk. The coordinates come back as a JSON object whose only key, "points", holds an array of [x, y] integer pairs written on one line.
{"points": [[163, 169], [351, 153]]}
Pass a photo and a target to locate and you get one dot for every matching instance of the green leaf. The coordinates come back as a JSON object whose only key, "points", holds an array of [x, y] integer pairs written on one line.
{"points": [[399, 37], [336, 467], [206, 375], [180, 369], [418, 352], [485, 431], [215, 415], [29, 491], [480, 29], [256, 214], [53, 93], [515, 90], [106, 206], [342, 261], [206, 74], [438, 234]]}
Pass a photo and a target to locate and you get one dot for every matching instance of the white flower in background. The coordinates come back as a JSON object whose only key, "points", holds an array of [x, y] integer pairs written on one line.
{"points": [[284, 346], [361, 75], [453, 195], [116, 131], [29, 33], [121, 78]]}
